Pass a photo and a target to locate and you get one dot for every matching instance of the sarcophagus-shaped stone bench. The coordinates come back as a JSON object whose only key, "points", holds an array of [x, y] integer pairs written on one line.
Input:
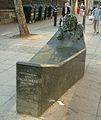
{"points": [[50, 73]]}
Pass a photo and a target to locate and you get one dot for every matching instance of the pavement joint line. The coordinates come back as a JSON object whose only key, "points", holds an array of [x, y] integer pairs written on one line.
{"points": [[98, 108], [7, 69], [4, 96], [7, 33], [3, 60], [8, 100], [82, 111], [7, 85]]}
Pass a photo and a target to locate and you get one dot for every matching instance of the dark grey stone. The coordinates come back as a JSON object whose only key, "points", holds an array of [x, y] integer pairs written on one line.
{"points": [[52, 71]]}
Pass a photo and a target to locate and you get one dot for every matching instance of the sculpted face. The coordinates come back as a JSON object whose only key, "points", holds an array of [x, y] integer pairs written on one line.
{"points": [[70, 28]]}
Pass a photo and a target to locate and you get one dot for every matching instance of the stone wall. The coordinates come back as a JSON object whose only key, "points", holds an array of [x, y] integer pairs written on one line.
{"points": [[7, 13], [7, 16]]}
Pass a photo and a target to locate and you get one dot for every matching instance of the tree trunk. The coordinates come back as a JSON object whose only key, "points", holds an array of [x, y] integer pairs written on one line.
{"points": [[21, 18], [86, 7]]}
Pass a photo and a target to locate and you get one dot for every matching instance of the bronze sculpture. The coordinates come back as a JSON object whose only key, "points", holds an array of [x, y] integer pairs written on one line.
{"points": [[70, 27]]}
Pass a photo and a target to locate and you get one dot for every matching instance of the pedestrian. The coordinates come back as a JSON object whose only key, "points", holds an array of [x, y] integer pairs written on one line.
{"points": [[40, 13], [78, 9], [96, 13], [82, 9], [66, 9], [49, 13], [45, 12]]}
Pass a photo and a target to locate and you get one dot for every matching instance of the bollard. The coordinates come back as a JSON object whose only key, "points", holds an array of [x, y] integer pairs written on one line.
{"points": [[55, 17]]}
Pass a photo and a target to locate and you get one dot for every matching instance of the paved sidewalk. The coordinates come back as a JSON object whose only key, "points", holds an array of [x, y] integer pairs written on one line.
{"points": [[81, 102]]}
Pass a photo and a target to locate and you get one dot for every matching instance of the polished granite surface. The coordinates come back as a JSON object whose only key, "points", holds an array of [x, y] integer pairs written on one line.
{"points": [[56, 51]]}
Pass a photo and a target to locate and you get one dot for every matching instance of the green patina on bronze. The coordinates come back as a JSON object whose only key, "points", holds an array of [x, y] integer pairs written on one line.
{"points": [[70, 27]]}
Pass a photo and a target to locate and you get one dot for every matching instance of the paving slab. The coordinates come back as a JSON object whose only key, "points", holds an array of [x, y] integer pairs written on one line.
{"points": [[98, 118], [70, 115]]}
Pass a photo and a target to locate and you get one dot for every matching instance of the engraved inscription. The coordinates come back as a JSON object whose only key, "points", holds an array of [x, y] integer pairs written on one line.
{"points": [[29, 86]]}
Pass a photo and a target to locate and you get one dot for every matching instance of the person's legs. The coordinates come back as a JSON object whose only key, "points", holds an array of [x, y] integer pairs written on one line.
{"points": [[97, 26]]}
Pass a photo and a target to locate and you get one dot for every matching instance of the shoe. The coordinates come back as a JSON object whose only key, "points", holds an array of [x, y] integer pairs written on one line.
{"points": [[97, 32]]}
